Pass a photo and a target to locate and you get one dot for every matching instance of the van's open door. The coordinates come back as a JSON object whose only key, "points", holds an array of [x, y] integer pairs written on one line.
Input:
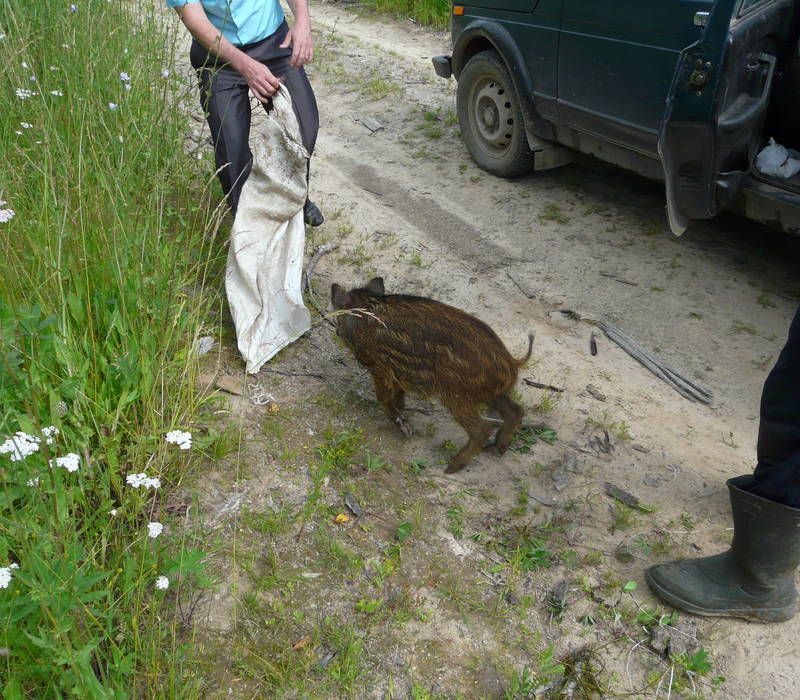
{"points": [[714, 117]]}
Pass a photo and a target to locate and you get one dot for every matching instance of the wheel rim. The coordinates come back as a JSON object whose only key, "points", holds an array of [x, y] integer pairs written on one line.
{"points": [[493, 115]]}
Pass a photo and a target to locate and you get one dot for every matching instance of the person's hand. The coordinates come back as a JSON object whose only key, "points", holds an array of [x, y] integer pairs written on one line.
{"points": [[299, 38], [260, 79]]}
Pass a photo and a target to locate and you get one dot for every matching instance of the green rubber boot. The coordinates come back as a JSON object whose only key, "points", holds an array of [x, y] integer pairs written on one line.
{"points": [[754, 579]]}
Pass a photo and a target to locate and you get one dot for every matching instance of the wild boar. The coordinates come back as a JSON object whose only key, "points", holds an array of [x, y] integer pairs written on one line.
{"points": [[419, 346]]}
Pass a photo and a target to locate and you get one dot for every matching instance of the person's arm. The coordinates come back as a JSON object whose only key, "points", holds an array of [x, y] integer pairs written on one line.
{"points": [[299, 36], [261, 81]]}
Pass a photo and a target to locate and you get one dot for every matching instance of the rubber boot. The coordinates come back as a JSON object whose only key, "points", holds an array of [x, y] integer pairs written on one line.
{"points": [[754, 579]]}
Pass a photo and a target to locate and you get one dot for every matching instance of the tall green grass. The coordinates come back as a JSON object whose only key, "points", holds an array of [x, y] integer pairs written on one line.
{"points": [[101, 294], [431, 12]]}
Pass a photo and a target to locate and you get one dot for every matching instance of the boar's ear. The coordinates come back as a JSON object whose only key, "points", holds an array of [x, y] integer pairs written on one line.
{"points": [[338, 296], [375, 286]]}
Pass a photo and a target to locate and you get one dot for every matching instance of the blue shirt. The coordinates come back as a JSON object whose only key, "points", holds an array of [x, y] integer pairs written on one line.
{"points": [[241, 21]]}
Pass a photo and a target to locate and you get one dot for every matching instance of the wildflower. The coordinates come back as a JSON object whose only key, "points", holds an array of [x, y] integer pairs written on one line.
{"points": [[6, 215], [112, 512], [57, 93], [19, 446], [165, 74], [181, 438], [18, 133], [128, 87], [25, 64], [342, 519], [124, 77], [70, 462], [32, 482], [50, 431], [33, 78], [64, 46], [24, 93], [154, 529], [162, 583], [137, 480], [62, 408], [25, 125], [5, 574], [73, 8], [112, 106], [121, 138], [2, 36], [54, 68]]}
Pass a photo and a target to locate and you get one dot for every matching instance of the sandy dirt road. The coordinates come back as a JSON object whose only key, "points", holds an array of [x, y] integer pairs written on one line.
{"points": [[406, 202]]}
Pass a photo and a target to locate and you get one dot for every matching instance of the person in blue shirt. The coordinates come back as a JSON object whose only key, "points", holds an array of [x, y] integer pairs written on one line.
{"points": [[241, 46]]}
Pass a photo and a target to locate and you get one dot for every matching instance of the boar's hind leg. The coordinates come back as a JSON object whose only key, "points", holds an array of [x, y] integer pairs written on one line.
{"points": [[392, 398], [478, 429], [511, 413]]}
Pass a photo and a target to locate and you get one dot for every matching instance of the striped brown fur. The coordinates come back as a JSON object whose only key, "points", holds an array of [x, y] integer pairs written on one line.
{"points": [[415, 345]]}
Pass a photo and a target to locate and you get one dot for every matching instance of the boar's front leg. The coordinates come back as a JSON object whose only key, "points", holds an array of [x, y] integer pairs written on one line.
{"points": [[392, 398], [478, 429]]}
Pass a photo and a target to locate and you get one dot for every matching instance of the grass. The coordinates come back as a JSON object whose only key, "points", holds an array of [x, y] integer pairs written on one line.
{"points": [[435, 13], [100, 300]]}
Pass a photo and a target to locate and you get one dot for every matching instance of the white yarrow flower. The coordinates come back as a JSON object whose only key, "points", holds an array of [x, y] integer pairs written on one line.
{"points": [[128, 87], [20, 445], [5, 575], [124, 77], [25, 125], [32, 482], [6, 215], [57, 93], [141, 479], [70, 462], [112, 106], [162, 583], [50, 431], [181, 438], [18, 132], [54, 68], [112, 512], [24, 93], [2, 36], [165, 73], [154, 529], [25, 64], [73, 8]]}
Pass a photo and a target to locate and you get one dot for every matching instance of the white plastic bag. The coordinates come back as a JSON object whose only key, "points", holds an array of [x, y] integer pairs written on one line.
{"points": [[778, 161], [265, 257]]}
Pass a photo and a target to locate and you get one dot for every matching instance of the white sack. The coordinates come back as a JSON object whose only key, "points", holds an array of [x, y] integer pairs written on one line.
{"points": [[778, 161], [265, 257]]}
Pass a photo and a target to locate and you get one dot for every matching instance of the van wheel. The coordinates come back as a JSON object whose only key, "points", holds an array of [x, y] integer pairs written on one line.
{"points": [[490, 117]]}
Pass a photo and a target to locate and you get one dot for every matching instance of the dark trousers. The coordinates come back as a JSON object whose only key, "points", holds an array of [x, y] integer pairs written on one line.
{"points": [[777, 476], [224, 98]]}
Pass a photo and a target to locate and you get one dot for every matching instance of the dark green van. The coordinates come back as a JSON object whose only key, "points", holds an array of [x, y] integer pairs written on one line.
{"points": [[686, 91]]}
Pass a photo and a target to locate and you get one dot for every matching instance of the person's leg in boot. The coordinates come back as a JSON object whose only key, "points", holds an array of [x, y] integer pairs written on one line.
{"points": [[225, 101], [755, 578]]}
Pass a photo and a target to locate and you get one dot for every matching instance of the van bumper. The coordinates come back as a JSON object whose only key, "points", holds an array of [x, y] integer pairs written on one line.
{"points": [[774, 206]]}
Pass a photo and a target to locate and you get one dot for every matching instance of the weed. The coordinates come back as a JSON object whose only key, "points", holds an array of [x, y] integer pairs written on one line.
{"points": [[552, 212], [622, 517], [526, 437], [374, 463], [741, 327], [416, 466], [619, 429], [455, 520], [377, 88], [547, 402], [765, 301]]}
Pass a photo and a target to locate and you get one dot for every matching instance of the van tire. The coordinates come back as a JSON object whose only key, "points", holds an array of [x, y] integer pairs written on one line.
{"points": [[491, 120]]}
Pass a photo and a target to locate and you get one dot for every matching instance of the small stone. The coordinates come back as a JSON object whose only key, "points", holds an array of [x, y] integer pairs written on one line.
{"points": [[624, 553], [231, 385], [351, 502], [203, 345], [595, 392]]}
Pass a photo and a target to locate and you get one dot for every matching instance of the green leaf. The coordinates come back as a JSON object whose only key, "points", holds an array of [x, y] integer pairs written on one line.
{"points": [[630, 586], [403, 531]]}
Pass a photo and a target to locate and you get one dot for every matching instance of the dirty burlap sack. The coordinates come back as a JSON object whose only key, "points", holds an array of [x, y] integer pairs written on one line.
{"points": [[265, 256]]}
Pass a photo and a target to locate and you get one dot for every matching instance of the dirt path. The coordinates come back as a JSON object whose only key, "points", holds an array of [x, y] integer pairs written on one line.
{"points": [[466, 601]]}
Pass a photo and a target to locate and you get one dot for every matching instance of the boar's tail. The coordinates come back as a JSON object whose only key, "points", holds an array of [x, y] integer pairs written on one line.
{"points": [[522, 360]]}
